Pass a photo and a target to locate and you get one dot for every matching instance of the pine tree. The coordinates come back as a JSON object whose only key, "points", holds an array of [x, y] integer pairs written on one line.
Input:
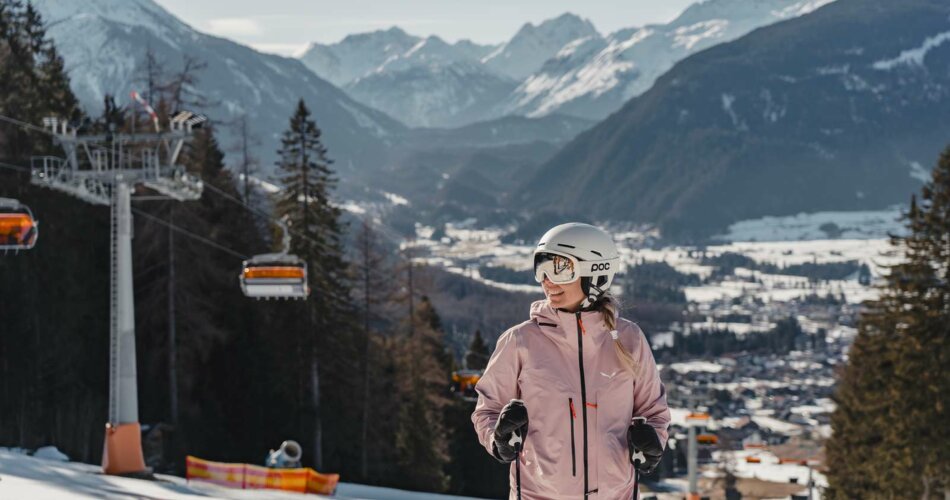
{"points": [[424, 366], [894, 398], [305, 205], [477, 356], [372, 290], [51, 310]]}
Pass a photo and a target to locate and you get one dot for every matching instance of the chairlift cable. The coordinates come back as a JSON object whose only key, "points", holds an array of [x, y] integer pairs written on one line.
{"points": [[25, 125], [13, 167], [260, 213], [189, 234]]}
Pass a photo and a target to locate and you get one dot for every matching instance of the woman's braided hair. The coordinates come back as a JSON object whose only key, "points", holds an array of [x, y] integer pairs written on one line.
{"points": [[609, 306]]}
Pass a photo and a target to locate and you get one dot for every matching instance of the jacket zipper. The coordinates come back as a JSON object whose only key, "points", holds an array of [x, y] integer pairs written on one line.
{"points": [[572, 415], [580, 362]]}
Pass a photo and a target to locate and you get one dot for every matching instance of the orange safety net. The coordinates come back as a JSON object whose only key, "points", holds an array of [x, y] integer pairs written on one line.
{"points": [[246, 476], [14, 229], [274, 272]]}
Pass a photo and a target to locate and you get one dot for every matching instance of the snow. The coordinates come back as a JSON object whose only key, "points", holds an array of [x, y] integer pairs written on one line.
{"points": [[532, 45], [800, 8], [678, 416], [777, 426], [23, 476], [51, 453], [769, 469], [740, 329], [917, 171], [696, 366], [864, 224], [913, 57], [625, 63], [466, 248], [689, 36], [395, 199], [268, 187], [351, 207], [737, 122]]}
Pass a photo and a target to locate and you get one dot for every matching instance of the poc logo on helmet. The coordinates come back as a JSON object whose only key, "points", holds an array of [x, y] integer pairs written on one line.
{"points": [[600, 267]]}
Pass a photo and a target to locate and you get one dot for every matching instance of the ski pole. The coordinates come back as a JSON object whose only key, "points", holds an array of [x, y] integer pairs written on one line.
{"points": [[636, 458], [516, 442]]}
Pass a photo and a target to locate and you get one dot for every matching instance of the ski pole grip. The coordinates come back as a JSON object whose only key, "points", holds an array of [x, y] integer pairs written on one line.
{"points": [[516, 440], [636, 456]]}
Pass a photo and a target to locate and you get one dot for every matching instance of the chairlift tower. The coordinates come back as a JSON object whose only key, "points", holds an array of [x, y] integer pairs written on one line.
{"points": [[103, 169]]}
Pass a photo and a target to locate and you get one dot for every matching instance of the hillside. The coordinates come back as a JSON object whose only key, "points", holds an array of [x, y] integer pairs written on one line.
{"points": [[836, 110]]}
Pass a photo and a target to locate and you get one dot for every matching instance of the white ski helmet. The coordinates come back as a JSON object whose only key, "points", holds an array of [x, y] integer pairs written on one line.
{"points": [[593, 249]]}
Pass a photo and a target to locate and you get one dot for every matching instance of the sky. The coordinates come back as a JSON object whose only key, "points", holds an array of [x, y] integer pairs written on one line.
{"points": [[287, 26]]}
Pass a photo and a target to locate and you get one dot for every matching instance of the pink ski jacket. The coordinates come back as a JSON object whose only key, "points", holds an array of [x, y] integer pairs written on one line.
{"points": [[580, 400]]}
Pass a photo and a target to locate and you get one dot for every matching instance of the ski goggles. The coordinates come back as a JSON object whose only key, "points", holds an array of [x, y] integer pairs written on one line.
{"points": [[562, 268]]}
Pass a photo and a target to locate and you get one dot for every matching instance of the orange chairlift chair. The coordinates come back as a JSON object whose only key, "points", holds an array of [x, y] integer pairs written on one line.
{"points": [[275, 275], [18, 228]]}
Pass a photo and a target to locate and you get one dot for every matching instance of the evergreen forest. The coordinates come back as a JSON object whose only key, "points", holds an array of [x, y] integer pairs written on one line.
{"points": [[358, 373]]}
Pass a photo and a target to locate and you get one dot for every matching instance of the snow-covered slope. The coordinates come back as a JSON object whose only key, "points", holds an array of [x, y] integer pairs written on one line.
{"points": [[26, 477], [420, 81], [356, 55], [104, 42], [423, 82], [435, 94], [593, 77], [431, 83], [532, 45], [562, 65]]}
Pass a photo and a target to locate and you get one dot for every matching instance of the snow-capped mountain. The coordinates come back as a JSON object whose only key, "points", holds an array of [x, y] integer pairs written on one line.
{"points": [[104, 43], [532, 45], [842, 109], [431, 83], [437, 94], [356, 55], [592, 77], [562, 65], [421, 81]]}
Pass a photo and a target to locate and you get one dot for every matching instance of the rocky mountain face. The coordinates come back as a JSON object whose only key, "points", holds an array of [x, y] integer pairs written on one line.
{"points": [[843, 109]]}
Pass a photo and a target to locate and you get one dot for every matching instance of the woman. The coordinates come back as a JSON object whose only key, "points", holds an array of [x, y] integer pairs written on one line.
{"points": [[573, 381]]}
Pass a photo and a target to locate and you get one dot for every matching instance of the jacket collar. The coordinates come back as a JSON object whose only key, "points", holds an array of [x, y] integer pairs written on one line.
{"points": [[543, 312]]}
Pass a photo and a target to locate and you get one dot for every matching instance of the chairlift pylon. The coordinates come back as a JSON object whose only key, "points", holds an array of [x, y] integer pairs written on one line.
{"points": [[18, 229], [275, 275]]}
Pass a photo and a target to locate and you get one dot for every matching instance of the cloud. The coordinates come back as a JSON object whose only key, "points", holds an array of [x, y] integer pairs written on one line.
{"points": [[234, 26]]}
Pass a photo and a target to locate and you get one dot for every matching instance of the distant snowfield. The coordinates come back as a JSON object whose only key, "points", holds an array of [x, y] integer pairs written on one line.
{"points": [[27, 477], [866, 224], [466, 248]]}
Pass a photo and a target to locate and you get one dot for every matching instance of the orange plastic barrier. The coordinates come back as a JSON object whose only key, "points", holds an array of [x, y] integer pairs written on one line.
{"points": [[122, 452], [246, 476]]}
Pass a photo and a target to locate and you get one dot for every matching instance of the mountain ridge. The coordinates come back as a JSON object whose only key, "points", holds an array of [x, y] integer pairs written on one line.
{"points": [[104, 42], [791, 117]]}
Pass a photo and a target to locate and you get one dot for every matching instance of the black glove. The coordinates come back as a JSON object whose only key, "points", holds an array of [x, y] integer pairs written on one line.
{"points": [[645, 448], [512, 420]]}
